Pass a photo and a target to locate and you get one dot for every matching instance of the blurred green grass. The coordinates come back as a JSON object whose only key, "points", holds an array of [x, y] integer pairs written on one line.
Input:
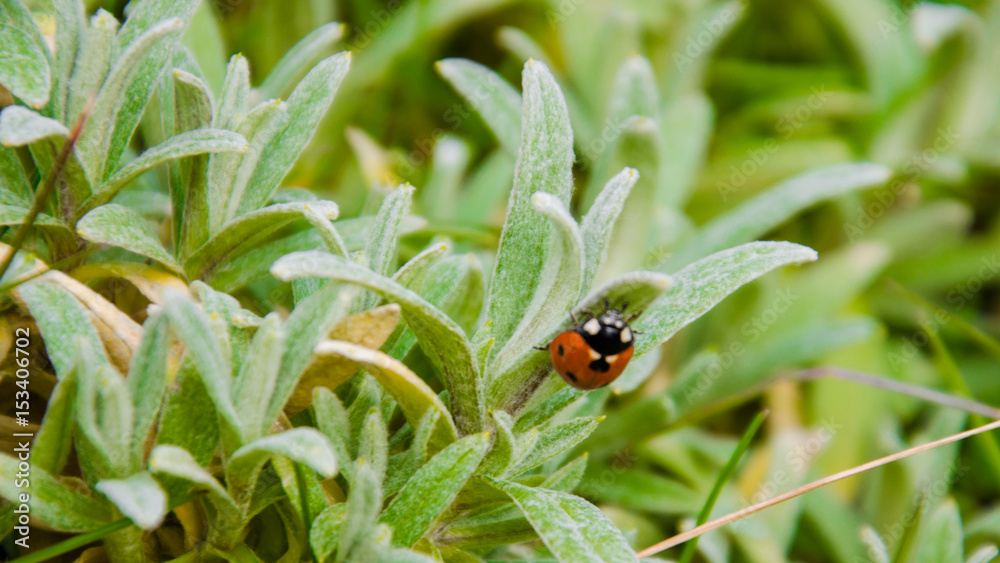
{"points": [[749, 95]]}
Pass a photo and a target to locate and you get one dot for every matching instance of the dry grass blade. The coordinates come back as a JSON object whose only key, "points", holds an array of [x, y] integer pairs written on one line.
{"points": [[740, 514], [924, 393]]}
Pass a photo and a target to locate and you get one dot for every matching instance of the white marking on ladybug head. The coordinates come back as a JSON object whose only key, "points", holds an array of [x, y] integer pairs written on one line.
{"points": [[626, 335], [594, 354], [593, 326], [611, 359], [619, 324]]}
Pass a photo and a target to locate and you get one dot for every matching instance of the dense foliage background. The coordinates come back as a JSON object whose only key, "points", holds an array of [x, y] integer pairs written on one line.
{"points": [[867, 130]]}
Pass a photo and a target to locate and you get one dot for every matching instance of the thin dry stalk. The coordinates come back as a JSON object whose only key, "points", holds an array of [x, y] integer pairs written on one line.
{"points": [[739, 514]]}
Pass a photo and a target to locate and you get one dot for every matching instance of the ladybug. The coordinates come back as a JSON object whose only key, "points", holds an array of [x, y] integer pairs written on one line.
{"points": [[595, 351]]}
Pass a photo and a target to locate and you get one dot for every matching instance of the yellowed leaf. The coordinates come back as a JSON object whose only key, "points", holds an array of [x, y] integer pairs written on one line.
{"points": [[411, 393], [149, 280], [120, 334], [368, 328]]}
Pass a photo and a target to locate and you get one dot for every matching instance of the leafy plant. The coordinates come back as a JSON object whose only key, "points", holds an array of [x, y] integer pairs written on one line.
{"points": [[230, 371]]}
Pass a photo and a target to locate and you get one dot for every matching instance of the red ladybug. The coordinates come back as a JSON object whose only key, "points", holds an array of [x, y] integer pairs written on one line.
{"points": [[594, 353]]}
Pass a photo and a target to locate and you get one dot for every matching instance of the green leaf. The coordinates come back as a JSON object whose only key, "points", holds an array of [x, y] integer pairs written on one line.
{"points": [[504, 450], [139, 497], [303, 445], [188, 179], [120, 226], [686, 129], [941, 539], [147, 377], [235, 97], [188, 143], [57, 505], [431, 489], [177, 462], [703, 284], [92, 67], [554, 441], [440, 338], [294, 63], [496, 101], [54, 440], [258, 376], [189, 419], [71, 22], [324, 533], [142, 64], [545, 410], [257, 225], [331, 419], [332, 240], [60, 317], [766, 211], [310, 322], [796, 346], [374, 443], [453, 284], [414, 396], [24, 58], [440, 192], [418, 266], [192, 327], [306, 107], [14, 187], [572, 528], [363, 505], [402, 467], [19, 126], [486, 188], [559, 285], [383, 237], [103, 138], [544, 164], [10, 215], [104, 418], [599, 222], [230, 173]]}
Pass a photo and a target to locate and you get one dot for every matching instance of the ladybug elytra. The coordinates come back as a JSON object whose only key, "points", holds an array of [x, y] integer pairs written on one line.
{"points": [[595, 351]]}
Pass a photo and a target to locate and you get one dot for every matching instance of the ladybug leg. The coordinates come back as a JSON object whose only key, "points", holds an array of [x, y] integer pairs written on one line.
{"points": [[624, 306], [607, 304], [632, 317]]}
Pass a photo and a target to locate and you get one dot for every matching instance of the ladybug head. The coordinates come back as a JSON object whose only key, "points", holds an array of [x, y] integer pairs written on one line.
{"points": [[608, 333]]}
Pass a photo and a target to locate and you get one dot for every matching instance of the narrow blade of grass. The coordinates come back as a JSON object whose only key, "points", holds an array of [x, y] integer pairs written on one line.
{"points": [[755, 508], [987, 342], [720, 481]]}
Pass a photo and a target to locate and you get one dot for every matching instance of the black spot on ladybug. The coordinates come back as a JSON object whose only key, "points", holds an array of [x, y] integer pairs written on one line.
{"points": [[561, 351], [571, 376], [600, 365]]}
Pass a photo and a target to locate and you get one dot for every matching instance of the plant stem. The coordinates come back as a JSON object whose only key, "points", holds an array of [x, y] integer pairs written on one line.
{"points": [[720, 481], [42, 195]]}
